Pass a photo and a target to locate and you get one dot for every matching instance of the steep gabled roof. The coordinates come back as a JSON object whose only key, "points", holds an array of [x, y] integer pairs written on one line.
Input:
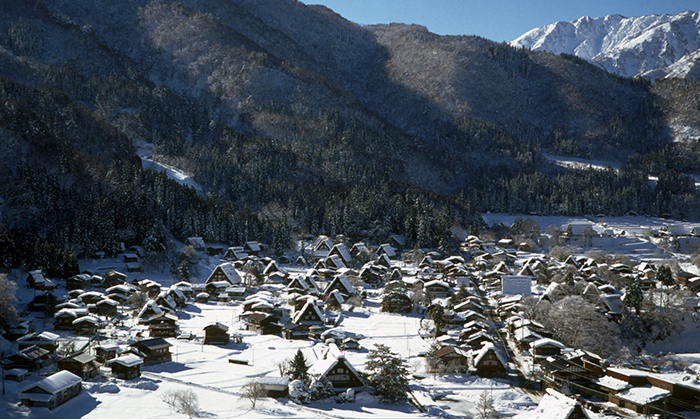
{"points": [[485, 350], [342, 282], [309, 307], [152, 306], [555, 405], [229, 270]]}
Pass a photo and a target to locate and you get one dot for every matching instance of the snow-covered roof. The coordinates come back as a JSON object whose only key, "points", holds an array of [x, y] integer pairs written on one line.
{"points": [[42, 336], [437, 283], [88, 318], [56, 382], [643, 395], [309, 306], [322, 366], [554, 405], [121, 288], [613, 302], [343, 251], [485, 349], [612, 383], [153, 307], [525, 333], [343, 281], [229, 270], [336, 294], [546, 341]]}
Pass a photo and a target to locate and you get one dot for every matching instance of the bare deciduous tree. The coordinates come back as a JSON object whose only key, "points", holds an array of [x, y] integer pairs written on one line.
{"points": [[183, 401], [485, 408], [253, 391]]}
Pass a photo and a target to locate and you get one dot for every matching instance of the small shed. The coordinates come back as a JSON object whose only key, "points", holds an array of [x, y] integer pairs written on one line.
{"points": [[275, 386], [127, 366], [216, 333]]}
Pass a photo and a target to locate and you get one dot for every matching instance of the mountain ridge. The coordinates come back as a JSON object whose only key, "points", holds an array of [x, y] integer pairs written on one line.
{"points": [[649, 46]]}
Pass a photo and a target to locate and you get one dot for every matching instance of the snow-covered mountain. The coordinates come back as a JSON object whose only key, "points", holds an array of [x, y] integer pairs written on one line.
{"points": [[653, 46]]}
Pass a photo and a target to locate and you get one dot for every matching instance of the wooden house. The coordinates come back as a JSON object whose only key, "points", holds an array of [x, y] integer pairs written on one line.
{"points": [[105, 352], [292, 331], [478, 339], [17, 375], [322, 247], [453, 358], [150, 309], [302, 284], [224, 272], [350, 343], [398, 242], [36, 280], [275, 386], [236, 292], [113, 278], [341, 284], [235, 253], [106, 307], [264, 324], [85, 325], [370, 275], [333, 263], [216, 333], [545, 347], [31, 359], [388, 250], [51, 391], [126, 367], [338, 371], [334, 301], [81, 364], [162, 329], [45, 340], [79, 281], [153, 350], [310, 314], [555, 405], [438, 288], [341, 251], [252, 248], [489, 362], [359, 249], [63, 319]]}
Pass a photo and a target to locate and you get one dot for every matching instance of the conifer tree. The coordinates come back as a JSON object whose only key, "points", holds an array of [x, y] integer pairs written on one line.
{"points": [[298, 367], [387, 375], [634, 296]]}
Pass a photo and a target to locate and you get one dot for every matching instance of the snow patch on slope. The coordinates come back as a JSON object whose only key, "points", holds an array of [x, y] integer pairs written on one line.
{"points": [[145, 152]]}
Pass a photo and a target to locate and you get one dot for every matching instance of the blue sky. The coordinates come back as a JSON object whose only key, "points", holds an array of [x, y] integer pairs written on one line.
{"points": [[497, 20]]}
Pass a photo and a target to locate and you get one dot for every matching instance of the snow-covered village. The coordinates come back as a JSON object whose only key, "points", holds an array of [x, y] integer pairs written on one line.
{"points": [[524, 322], [284, 209]]}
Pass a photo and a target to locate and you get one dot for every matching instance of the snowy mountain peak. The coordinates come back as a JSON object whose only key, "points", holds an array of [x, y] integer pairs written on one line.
{"points": [[651, 46]]}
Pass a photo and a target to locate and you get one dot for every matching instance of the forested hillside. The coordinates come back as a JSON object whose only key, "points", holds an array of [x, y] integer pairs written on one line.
{"points": [[295, 121]]}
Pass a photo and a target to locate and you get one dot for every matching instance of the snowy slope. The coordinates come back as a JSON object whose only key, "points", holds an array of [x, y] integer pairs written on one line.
{"points": [[651, 46]]}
